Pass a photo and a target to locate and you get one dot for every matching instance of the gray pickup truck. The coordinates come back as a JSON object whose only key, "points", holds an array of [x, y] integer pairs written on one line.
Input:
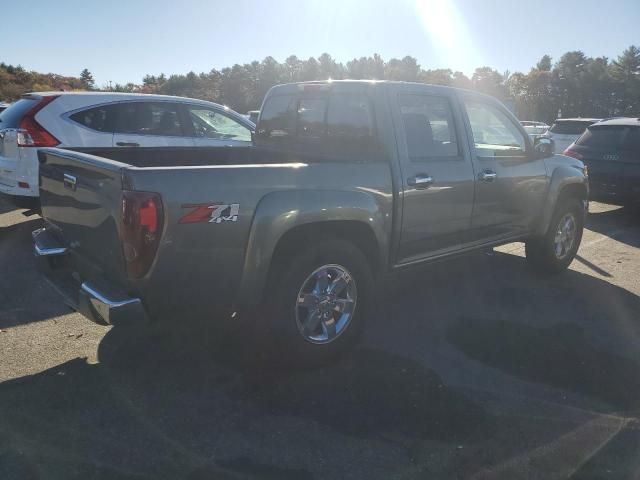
{"points": [[345, 183]]}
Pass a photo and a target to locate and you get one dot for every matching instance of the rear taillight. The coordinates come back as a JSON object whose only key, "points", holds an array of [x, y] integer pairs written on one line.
{"points": [[572, 153], [31, 133], [141, 228]]}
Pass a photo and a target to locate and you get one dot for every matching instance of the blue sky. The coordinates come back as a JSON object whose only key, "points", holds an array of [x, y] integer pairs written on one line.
{"points": [[123, 40]]}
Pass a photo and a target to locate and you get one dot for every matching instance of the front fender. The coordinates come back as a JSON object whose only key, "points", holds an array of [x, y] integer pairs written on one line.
{"points": [[279, 212], [564, 171]]}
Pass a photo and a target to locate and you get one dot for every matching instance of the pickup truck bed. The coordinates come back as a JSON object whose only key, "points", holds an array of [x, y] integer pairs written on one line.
{"points": [[199, 263]]}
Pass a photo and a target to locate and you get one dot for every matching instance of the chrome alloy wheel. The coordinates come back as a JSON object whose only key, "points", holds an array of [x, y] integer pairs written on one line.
{"points": [[565, 236], [326, 303]]}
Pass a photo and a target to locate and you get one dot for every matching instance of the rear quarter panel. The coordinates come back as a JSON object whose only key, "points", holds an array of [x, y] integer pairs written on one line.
{"points": [[206, 265]]}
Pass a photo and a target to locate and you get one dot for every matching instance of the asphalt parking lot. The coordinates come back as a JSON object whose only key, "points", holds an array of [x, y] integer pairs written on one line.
{"points": [[475, 368]]}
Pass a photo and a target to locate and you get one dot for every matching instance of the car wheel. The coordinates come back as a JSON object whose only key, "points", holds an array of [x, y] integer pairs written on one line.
{"points": [[319, 302], [555, 251]]}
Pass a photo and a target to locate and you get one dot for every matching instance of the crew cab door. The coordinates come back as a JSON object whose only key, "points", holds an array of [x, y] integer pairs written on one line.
{"points": [[511, 181], [437, 173]]}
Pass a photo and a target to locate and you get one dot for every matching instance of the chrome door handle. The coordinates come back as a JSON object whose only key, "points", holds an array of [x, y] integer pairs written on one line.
{"points": [[487, 176], [420, 181]]}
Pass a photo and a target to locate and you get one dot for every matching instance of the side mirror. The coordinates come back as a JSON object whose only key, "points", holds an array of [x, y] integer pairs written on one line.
{"points": [[544, 147]]}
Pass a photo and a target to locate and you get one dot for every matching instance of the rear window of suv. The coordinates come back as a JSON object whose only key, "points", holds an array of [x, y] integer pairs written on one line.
{"points": [[336, 125], [570, 127], [611, 137], [11, 117], [602, 137]]}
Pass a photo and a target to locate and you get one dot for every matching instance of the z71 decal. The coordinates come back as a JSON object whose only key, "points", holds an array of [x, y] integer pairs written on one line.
{"points": [[211, 213]]}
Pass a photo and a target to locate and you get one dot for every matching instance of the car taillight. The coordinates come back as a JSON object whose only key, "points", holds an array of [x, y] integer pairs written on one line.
{"points": [[141, 228], [572, 153], [31, 133]]}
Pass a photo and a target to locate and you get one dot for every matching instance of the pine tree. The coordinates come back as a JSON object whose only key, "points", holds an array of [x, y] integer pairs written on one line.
{"points": [[87, 79]]}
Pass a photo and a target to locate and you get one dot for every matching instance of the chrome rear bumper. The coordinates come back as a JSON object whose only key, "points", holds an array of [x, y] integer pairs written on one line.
{"points": [[99, 303]]}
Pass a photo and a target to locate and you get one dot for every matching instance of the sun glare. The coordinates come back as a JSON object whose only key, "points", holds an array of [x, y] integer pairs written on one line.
{"points": [[447, 31]]}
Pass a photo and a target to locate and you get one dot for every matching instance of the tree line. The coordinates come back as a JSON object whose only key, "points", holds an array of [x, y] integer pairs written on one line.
{"points": [[575, 85]]}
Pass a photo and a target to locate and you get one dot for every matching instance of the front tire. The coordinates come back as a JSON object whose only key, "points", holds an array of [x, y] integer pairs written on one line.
{"points": [[554, 252], [319, 302]]}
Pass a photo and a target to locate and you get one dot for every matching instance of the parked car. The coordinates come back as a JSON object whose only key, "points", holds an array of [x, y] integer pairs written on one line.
{"points": [[611, 151], [534, 129], [253, 115], [347, 183], [100, 120], [565, 131], [3, 106]]}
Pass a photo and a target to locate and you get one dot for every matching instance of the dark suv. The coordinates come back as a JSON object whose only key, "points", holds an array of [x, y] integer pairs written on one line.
{"points": [[611, 151]]}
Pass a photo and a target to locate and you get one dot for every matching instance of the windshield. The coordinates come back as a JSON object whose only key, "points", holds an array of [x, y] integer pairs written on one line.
{"points": [[211, 124]]}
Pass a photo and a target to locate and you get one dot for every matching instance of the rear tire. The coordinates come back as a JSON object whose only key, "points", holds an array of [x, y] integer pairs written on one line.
{"points": [[554, 252], [318, 303]]}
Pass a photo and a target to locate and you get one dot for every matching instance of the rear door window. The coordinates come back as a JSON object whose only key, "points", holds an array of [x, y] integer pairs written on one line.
{"points": [[147, 118], [101, 119]]}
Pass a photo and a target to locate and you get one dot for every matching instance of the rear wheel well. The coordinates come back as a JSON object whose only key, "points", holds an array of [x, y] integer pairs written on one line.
{"points": [[357, 233]]}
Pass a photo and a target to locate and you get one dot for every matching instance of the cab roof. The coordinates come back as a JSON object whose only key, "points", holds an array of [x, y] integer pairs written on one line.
{"points": [[356, 85]]}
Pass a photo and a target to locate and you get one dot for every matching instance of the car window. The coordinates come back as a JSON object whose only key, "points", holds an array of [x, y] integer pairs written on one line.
{"points": [[277, 119], [569, 127], [11, 117], [350, 130], [337, 125], [310, 124], [147, 118], [534, 129], [101, 119], [209, 123], [428, 127], [494, 134], [604, 137]]}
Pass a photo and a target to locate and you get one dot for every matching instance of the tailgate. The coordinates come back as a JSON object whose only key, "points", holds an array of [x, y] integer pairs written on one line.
{"points": [[613, 177], [81, 197]]}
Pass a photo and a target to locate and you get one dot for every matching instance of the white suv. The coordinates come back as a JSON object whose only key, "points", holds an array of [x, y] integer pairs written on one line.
{"points": [[97, 119], [565, 131]]}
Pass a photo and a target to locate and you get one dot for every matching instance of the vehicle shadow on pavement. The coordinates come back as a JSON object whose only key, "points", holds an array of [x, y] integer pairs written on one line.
{"points": [[24, 295], [617, 224], [162, 405], [173, 402], [572, 338]]}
